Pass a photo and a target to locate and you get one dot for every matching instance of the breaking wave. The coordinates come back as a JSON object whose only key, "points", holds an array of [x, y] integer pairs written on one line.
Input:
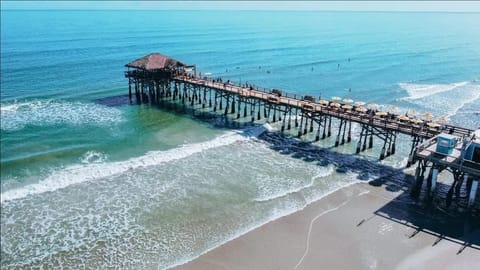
{"points": [[94, 168], [17, 115], [416, 91], [441, 99], [268, 196]]}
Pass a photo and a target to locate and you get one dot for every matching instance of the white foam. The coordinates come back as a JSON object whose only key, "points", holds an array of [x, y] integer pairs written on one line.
{"points": [[416, 91], [93, 157], [442, 99], [269, 127], [277, 215], [283, 193], [92, 171], [17, 115], [268, 197], [395, 163]]}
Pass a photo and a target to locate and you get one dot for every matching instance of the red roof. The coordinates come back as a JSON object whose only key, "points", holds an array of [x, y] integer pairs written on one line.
{"points": [[155, 61]]}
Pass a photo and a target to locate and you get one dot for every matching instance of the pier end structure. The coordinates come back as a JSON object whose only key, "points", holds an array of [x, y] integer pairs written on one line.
{"points": [[458, 155], [152, 74]]}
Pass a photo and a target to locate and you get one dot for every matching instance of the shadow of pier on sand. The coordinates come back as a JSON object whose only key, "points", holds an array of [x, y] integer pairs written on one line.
{"points": [[424, 214]]}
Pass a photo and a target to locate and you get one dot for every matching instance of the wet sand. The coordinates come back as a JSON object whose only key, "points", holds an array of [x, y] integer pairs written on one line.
{"points": [[358, 227]]}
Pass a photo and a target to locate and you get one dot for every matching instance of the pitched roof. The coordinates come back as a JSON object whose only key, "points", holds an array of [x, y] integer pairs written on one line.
{"points": [[155, 61]]}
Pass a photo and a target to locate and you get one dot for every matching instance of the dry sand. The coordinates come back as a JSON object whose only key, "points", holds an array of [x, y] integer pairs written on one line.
{"points": [[358, 227]]}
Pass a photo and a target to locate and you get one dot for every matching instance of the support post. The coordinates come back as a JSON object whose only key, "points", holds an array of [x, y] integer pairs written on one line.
{"points": [[324, 134], [337, 141], [382, 152], [306, 124], [349, 137], [473, 193], [370, 142], [239, 106], [226, 105], [296, 118], [393, 144], [289, 125], [419, 173], [300, 129], [329, 133], [130, 89], [434, 180], [317, 137], [364, 145], [252, 111], [210, 98], [359, 143], [284, 119]]}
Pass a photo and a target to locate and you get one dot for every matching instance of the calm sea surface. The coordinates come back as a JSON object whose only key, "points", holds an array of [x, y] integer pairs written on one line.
{"points": [[88, 180]]}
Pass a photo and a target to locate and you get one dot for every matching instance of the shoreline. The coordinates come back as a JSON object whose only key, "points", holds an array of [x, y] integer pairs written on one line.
{"points": [[240, 234], [352, 220]]}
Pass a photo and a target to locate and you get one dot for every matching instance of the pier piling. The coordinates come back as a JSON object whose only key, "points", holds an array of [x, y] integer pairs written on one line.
{"points": [[156, 78]]}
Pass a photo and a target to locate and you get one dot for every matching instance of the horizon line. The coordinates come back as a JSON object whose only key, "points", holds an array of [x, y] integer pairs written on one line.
{"points": [[330, 6], [241, 10]]}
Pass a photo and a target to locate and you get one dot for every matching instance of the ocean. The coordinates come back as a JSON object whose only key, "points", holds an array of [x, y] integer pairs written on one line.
{"points": [[89, 180]]}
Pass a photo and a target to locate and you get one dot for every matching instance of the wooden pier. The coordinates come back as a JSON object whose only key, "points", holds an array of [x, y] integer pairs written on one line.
{"points": [[156, 78]]}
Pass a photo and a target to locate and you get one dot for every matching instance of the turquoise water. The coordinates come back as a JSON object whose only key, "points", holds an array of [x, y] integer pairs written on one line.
{"points": [[92, 181]]}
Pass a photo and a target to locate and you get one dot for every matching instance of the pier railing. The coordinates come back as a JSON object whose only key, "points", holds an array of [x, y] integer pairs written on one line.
{"points": [[307, 115], [388, 121]]}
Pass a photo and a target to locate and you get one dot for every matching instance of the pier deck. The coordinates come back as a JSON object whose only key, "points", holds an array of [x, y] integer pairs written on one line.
{"points": [[453, 161], [157, 78], [389, 121]]}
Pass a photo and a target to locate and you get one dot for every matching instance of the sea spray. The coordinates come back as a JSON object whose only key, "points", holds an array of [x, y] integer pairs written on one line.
{"points": [[17, 115]]}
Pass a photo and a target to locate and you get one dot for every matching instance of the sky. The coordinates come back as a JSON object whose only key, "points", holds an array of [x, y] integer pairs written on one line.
{"points": [[450, 6]]}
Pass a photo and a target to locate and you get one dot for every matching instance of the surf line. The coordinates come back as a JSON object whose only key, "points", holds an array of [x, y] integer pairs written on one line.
{"points": [[80, 173], [310, 229]]}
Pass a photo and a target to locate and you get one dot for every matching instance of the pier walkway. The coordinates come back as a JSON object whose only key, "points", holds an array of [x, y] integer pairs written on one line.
{"points": [[357, 114], [156, 78]]}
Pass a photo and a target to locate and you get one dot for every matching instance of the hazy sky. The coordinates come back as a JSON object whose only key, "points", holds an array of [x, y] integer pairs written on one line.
{"points": [[454, 6]]}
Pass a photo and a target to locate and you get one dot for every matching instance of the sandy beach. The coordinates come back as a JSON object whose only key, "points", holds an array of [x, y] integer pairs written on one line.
{"points": [[362, 226]]}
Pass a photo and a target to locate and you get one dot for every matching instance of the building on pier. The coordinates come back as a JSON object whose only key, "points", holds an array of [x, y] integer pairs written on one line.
{"points": [[150, 72]]}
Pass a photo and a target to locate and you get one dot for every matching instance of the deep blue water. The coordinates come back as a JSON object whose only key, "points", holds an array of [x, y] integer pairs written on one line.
{"points": [[63, 152]]}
